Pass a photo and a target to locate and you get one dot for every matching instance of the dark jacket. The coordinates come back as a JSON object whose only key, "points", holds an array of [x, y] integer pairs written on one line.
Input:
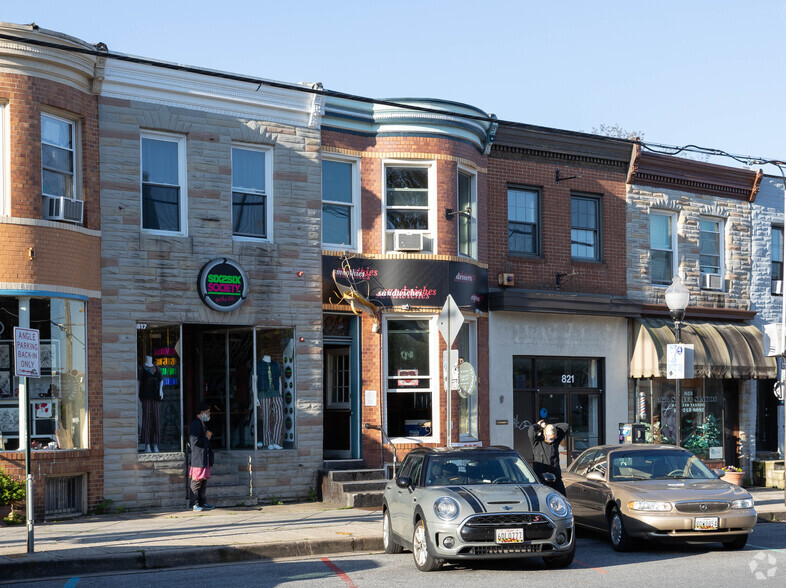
{"points": [[546, 454], [149, 384], [201, 452]]}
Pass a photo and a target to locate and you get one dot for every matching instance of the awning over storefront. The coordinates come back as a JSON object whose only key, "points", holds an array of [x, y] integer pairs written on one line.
{"points": [[721, 350]]}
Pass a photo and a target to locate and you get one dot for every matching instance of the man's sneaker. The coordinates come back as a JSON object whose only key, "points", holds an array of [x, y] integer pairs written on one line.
{"points": [[198, 508], [208, 507]]}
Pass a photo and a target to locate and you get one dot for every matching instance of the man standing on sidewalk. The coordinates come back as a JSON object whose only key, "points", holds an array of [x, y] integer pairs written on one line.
{"points": [[201, 458]]}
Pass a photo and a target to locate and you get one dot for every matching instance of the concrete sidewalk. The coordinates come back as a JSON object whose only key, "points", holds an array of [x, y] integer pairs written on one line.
{"points": [[166, 539]]}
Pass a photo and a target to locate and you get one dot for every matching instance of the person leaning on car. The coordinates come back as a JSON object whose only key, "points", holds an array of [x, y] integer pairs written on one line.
{"points": [[545, 440]]}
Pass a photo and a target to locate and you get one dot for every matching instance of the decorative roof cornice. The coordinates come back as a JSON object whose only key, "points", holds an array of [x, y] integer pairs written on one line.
{"points": [[668, 171]]}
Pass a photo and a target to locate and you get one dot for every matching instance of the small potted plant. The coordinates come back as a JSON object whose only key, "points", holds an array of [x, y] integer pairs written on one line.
{"points": [[732, 475]]}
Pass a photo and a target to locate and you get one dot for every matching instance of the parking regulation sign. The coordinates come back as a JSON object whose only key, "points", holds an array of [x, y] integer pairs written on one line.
{"points": [[27, 353]]}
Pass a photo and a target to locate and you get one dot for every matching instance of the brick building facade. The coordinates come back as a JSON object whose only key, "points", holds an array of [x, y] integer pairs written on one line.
{"points": [[50, 233]]}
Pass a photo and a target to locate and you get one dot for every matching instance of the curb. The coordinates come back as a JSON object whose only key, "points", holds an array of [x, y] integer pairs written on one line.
{"points": [[771, 517], [28, 567]]}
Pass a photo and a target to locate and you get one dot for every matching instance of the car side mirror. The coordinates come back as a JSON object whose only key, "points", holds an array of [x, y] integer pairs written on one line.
{"points": [[719, 472], [596, 476], [404, 482], [549, 478]]}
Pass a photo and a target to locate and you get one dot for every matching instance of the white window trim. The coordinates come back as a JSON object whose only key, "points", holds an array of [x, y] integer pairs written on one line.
{"points": [[355, 217], [674, 243], [268, 151], [463, 169], [436, 382], [5, 201], [181, 176], [75, 150], [721, 243], [597, 198], [431, 165], [473, 359]]}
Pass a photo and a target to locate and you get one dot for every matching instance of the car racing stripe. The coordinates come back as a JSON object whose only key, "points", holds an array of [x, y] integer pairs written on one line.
{"points": [[532, 497], [471, 499]]}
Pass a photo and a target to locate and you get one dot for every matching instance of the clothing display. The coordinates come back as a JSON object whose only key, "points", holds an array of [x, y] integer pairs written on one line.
{"points": [[271, 407], [150, 386]]}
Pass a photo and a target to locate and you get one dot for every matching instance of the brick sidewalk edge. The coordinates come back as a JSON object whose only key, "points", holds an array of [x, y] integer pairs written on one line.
{"points": [[28, 567]]}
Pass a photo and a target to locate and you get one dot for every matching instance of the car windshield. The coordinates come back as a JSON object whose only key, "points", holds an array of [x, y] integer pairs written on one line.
{"points": [[478, 469], [657, 465]]}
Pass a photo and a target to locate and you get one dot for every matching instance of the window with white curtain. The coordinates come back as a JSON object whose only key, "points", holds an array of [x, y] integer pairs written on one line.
{"points": [[251, 203], [163, 183]]}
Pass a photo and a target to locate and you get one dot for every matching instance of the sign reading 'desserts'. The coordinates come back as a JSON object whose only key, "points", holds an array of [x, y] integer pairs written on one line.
{"points": [[222, 284]]}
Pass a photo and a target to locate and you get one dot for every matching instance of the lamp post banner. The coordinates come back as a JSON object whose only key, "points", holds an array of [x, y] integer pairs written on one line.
{"points": [[417, 282]]}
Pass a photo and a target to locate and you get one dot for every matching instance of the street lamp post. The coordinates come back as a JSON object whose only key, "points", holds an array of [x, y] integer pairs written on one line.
{"points": [[677, 298]]}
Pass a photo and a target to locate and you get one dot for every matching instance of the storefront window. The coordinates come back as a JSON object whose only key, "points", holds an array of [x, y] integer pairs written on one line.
{"points": [[158, 387], [466, 343], [58, 399], [409, 381]]}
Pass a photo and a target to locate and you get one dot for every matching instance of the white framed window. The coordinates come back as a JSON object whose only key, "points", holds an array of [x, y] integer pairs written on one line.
{"points": [[777, 261], [5, 204], [58, 157], [341, 202], [412, 379], [467, 345], [467, 216], [252, 202], [663, 247], [163, 193], [585, 235], [409, 206], [711, 253]]}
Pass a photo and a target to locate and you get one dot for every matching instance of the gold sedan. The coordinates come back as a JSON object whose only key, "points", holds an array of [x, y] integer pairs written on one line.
{"points": [[658, 492]]}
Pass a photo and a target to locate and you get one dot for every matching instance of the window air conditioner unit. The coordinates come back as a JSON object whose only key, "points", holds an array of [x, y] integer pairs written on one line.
{"points": [[711, 282], [408, 241], [62, 208], [777, 287]]}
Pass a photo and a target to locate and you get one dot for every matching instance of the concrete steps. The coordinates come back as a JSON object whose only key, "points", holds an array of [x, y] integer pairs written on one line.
{"points": [[353, 487]]}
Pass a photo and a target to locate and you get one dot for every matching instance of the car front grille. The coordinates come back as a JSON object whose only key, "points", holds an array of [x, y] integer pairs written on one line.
{"points": [[482, 527], [499, 549], [699, 507]]}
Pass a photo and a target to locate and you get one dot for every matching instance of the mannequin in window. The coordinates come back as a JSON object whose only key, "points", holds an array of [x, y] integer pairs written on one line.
{"points": [[269, 402], [150, 388]]}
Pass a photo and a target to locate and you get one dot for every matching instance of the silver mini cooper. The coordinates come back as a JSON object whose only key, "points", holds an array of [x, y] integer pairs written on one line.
{"points": [[474, 503]]}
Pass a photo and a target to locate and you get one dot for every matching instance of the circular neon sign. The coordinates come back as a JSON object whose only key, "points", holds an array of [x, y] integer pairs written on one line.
{"points": [[222, 285]]}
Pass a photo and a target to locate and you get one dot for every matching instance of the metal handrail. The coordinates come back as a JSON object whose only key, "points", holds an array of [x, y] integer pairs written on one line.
{"points": [[385, 441]]}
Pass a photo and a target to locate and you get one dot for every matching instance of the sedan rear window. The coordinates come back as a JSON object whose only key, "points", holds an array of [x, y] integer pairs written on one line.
{"points": [[485, 469]]}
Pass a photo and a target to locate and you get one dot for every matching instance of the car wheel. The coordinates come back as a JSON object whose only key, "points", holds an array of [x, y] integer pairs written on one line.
{"points": [[620, 540], [737, 543], [387, 536], [423, 559], [563, 560]]}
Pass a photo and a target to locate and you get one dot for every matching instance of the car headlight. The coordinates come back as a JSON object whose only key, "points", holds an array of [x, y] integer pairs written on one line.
{"points": [[446, 508], [558, 505], [650, 505], [742, 503]]}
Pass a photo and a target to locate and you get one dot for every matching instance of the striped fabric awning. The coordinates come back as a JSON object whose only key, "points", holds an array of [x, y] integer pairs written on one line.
{"points": [[721, 350]]}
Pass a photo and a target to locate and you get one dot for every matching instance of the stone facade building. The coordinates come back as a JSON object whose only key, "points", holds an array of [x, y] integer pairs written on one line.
{"points": [[211, 269], [50, 281]]}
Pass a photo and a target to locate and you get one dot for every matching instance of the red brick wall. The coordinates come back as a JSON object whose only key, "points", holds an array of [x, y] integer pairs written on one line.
{"points": [[446, 153], [604, 277], [62, 258]]}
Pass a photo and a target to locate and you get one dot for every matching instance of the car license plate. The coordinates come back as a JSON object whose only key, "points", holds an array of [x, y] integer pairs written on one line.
{"points": [[706, 524], [510, 535]]}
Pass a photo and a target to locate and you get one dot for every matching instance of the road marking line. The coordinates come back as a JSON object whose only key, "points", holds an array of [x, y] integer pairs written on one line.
{"points": [[767, 548], [339, 572], [599, 570]]}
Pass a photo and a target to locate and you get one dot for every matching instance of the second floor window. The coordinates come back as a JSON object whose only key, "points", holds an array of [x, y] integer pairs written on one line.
{"points": [[163, 182], [585, 227], [710, 246], [662, 247], [338, 203], [407, 198], [467, 221], [250, 205], [57, 157], [777, 253], [523, 221]]}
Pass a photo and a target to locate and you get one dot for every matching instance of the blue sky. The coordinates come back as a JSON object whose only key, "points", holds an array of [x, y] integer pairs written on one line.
{"points": [[704, 72]]}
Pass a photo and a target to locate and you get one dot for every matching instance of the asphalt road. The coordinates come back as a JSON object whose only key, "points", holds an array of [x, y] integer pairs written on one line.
{"points": [[761, 563]]}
